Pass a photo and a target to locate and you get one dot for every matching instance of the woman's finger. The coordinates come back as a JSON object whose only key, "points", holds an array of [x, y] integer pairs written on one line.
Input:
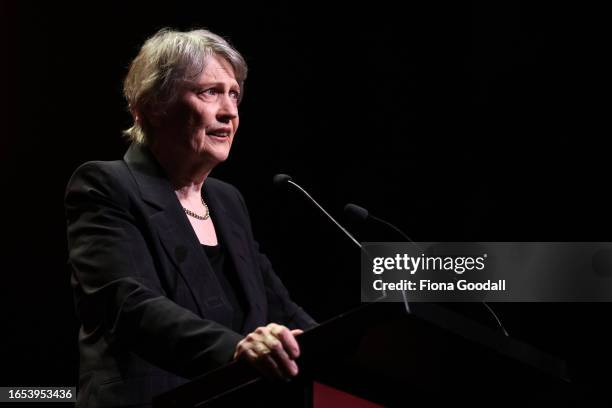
{"points": [[287, 339]]}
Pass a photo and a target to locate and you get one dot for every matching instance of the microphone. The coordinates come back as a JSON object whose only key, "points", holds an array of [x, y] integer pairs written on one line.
{"points": [[282, 180], [356, 211], [361, 214]]}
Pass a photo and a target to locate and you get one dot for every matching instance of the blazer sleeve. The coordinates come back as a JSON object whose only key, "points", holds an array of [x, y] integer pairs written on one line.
{"points": [[281, 309], [118, 293]]}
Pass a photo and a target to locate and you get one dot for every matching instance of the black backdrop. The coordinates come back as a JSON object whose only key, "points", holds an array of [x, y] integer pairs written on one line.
{"points": [[456, 121]]}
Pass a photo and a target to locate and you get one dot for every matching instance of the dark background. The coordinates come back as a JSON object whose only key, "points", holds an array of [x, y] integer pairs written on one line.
{"points": [[454, 120]]}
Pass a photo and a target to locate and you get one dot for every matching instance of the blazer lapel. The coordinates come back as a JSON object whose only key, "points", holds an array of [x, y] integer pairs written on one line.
{"points": [[177, 236], [233, 235]]}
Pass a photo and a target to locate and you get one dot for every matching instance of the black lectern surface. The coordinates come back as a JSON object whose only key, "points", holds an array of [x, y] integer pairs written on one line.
{"points": [[380, 352]]}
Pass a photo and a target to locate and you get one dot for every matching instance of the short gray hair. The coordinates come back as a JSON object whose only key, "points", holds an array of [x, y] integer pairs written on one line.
{"points": [[167, 61]]}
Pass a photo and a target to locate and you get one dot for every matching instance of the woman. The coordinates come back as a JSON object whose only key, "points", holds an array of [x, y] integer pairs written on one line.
{"points": [[168, 279]]}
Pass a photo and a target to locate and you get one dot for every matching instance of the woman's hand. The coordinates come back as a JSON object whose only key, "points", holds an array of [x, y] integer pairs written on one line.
{"points": [[272, 350]]}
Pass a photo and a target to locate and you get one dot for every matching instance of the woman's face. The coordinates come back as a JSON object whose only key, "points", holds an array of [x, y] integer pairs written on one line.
{"points": [[203, 121]]}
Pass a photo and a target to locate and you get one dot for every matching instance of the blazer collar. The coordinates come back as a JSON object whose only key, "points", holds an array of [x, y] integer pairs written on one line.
{"points": [[150, 176]]}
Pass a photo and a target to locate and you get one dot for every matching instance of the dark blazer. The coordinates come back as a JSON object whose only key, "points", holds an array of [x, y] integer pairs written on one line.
{"points": [[153, 313]]}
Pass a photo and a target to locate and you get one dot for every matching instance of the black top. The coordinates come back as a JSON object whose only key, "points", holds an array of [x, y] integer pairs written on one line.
{"points": [[226, 274]]}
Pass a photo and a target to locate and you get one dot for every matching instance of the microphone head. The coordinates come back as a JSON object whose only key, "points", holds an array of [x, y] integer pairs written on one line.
{"points": [[280, 180], [356, 211]]}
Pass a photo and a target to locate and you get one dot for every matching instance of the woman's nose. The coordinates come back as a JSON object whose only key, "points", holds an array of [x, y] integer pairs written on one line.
{"points": [[228, 108]]}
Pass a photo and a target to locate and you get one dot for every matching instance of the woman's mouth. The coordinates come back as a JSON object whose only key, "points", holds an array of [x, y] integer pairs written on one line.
{"points": [[220, 133]]}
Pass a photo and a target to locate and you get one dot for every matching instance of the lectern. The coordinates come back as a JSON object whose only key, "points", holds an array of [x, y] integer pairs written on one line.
{"points": [[389, 354]]}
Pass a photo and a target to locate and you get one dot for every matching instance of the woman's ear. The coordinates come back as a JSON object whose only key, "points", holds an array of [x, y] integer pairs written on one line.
{"points": [[135, 115]]}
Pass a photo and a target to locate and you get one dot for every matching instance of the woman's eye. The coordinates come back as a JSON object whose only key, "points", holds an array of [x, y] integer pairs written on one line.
{"points": [[207, 93], [214, 92]]}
